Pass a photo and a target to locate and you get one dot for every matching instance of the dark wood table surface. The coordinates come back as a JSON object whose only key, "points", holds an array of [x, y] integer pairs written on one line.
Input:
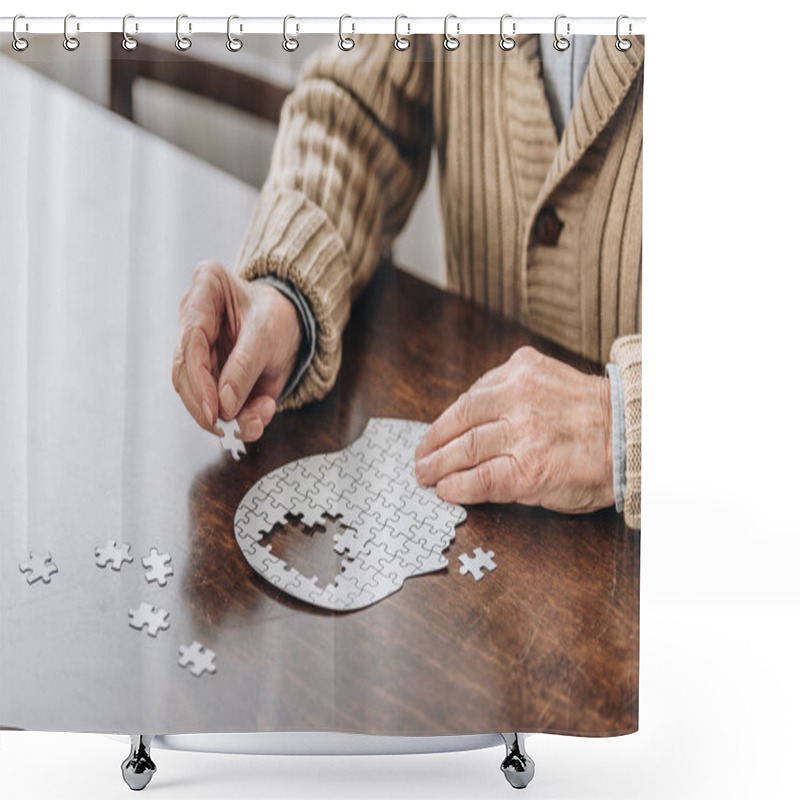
{"points": [[548, 641], [97, 445]]}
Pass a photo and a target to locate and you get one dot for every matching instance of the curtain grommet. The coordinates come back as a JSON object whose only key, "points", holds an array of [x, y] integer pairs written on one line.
{"points": [[401, 42], [290, 43], [70, 43], [182, 43], [451, 42], [560, 43], [233, 44], [346, 43], [128, 42], [18, 42], [622, 44], [507, 42]]}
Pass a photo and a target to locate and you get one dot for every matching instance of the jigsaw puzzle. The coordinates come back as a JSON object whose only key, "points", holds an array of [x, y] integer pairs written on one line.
{"points": [[393, 528], [229, 441], [38, 567], [157, 567], [474, 564], [113, 554], [199, 659], [154, 619]]}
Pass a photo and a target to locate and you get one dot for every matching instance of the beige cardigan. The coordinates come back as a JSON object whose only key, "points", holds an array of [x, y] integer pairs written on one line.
{"points": [[545, 231]]}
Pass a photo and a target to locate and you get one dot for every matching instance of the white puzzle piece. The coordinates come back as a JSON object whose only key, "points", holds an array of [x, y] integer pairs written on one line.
{"points": [[38, 567], [391, 528], [229, 441], [474, 564], [114, 554], [197, 658], [154, 619], [157, 567]]}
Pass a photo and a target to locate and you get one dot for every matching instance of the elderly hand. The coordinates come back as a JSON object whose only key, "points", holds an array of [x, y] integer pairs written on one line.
{"points": [[532, 431], [236, 349]]}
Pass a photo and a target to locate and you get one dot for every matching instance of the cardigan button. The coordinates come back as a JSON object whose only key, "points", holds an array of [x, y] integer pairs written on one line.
{"points": [[548, 227]]}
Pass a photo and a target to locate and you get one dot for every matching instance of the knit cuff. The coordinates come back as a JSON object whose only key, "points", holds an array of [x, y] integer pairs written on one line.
{"points": [[626, 353], [617, 434], [291, 238], [309, 342]]}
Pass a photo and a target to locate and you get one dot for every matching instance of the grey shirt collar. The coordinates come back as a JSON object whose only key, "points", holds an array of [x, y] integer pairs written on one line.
{"points": [[563, 74]]}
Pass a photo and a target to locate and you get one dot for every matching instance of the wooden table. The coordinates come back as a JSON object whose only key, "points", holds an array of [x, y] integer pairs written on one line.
{"points": [[97, 445]]}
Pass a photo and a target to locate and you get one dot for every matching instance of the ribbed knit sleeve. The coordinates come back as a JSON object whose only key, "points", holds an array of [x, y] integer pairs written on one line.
{"points": [[351, 156], [626, 352]]}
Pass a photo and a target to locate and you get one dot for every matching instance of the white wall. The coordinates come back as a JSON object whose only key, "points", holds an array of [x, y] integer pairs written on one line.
{"points": [[86, 73], [236, 142]]}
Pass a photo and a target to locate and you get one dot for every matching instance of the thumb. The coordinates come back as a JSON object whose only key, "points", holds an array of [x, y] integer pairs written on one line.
{"points": [[242, 369]]}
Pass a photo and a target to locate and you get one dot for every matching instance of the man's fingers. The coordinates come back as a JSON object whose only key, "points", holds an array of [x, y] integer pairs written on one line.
{"points": [[255, 415], [493, 481], [472, 447], [189, 397], [193, 364], [201, 382], [191, 377], [242, 369], [473, 408]]}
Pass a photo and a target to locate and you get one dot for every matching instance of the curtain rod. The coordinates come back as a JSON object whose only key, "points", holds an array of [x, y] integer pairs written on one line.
{"points": [[349, 24]]}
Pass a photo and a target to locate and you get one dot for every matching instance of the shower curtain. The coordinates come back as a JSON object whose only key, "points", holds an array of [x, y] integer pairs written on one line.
{"points": [[321, 384]]}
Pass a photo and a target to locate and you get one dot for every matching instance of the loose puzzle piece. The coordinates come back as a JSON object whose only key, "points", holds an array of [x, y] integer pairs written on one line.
{"points": [[113, 554], [39, 567], [229, 441], [199, 659], [475, 564], [155, 619], [390, 527], [157, 566]]}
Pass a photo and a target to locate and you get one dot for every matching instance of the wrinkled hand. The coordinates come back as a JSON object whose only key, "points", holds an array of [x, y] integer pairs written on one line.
{"points": [[236, 348], [533, 431]]}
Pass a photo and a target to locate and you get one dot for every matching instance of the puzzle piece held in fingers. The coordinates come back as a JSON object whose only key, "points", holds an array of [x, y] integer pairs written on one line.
{"points": [[229, 440]]}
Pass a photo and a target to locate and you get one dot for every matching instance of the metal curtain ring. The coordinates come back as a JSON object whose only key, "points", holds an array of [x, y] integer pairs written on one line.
{"points": [[451, 42], [290, 44], [18, 43], [345, 42], [400, 42], [182, 42], [506, 42], [560, 42], [233, 44], [622, 44], [70, 43], [128, 42]]}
